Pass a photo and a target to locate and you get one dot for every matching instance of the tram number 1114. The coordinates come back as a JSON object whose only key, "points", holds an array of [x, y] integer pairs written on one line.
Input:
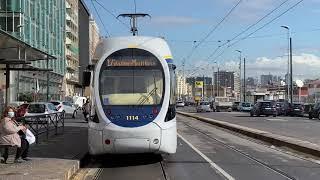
{"points": [[132, 118]]}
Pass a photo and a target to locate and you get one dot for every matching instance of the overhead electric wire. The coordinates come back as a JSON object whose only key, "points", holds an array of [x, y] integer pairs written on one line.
{"points": [[217, 25], [277, 17], [265, 16], [108, 11], [103, 25], [254, 24], [251, 37], [269, 22], [212, 30], [135, 6]]}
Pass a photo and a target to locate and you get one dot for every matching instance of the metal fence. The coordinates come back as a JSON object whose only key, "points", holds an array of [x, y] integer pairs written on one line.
{"points": [[43, 124]]}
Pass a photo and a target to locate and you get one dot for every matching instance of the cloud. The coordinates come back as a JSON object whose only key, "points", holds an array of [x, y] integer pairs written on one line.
{"points": [[304, 66], [176, 20]]}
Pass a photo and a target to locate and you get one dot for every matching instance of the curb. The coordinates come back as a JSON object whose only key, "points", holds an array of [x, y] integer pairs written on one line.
{"points": [[71, 171], [278, 140], [82, 162]]}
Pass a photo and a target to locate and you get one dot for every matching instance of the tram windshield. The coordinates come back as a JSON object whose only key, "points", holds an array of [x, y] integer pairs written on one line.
{"points": [[131, 77]]}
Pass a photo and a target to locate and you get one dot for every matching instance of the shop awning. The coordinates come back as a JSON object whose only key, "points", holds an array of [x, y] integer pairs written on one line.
{"points": [[14, 52]]}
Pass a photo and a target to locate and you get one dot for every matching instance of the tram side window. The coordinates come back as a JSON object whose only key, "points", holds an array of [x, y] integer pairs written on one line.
{"points": [[172, 104]]}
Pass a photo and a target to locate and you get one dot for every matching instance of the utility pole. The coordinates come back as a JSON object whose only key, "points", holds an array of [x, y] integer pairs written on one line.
{"points": [[203, 87], [212, 82], [218, 82], [291, 83], [244, 79], [288, 70], [240, 94]]}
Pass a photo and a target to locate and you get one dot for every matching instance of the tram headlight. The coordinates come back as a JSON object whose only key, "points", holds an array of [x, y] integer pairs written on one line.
{"points": [[155, 141], [107, 141]]}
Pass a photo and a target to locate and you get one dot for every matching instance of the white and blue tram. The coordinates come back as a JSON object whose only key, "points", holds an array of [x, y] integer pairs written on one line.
{"points": [[133, 97]]}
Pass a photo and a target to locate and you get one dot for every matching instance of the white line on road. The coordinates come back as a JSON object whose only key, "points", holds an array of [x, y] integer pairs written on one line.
{"points": [[275, 119], [213, 165]]}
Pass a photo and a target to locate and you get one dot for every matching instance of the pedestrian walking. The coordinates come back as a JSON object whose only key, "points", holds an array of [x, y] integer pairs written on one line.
{"points": [[9, 135], [86, 110]]}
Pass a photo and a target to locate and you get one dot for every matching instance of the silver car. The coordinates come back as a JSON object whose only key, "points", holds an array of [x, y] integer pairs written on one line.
{"points": [[204, 107], [41, 109]]}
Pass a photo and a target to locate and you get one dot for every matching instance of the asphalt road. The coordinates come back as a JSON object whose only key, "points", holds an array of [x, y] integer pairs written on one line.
{"points": [[205, 152], [296, 127]]}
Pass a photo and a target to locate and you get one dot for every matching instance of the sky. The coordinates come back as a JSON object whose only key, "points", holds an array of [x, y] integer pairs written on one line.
{"points": [[185, 23]]}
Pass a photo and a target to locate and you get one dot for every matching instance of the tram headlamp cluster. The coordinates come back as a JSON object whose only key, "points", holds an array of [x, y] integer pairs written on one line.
{"points": [[155, 141]]}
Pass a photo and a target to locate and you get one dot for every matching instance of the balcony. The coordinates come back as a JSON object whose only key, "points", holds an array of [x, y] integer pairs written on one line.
{"points": [[72, 32], [72, 80], [68, 6], [71, 19], [68, 41], [72, 64]]}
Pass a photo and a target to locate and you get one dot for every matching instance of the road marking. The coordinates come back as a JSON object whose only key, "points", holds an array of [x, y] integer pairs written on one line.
{"points": [[212, 164], [283, 120]]}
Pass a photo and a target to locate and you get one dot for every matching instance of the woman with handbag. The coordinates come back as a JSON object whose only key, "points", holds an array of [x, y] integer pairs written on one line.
{"points": [[9, 130]]}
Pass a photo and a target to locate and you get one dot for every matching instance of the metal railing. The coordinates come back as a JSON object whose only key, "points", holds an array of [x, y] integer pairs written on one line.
{"points": [[43, 124]]}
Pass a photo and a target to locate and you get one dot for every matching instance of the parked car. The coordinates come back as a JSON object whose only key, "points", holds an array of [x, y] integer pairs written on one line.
{"points": [[283, 108], [180, 104], [41, 108], [65, 107], [245, 107], [264, 108], [297, 109], [204, 106], [235, 105], [315, 111], [22, 109], [189, 103]]}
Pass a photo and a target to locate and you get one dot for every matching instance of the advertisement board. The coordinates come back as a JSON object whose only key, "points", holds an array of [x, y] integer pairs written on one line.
{"points": [[199, 84]]}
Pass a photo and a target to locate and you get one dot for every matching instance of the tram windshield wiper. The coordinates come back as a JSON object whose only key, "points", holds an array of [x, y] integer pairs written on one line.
{"points": [[144, 99]]}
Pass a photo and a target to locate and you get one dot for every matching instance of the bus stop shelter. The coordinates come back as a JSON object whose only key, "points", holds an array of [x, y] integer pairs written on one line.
{"points": [[16, 55]]}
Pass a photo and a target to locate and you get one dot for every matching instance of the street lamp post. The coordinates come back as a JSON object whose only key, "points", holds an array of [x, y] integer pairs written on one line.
{"points": [[244, 80], [240, 72], [214, 80], [288, 79]]}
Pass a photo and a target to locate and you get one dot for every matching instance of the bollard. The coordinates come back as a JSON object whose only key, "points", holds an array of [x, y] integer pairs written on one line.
{"points": [[56, 124], [47, 127], [62, 120], [37, 129]]}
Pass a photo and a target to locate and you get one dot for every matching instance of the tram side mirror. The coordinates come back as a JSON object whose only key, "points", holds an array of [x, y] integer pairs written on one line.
{"points": [[86, 78], [174, 67], [90, 67]]}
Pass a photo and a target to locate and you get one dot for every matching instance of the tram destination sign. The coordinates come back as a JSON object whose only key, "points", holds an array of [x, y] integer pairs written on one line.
{"points": [[131, 62]]}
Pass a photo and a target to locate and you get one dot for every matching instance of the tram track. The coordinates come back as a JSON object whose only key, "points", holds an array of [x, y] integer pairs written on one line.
{"points": [[246, 155]]}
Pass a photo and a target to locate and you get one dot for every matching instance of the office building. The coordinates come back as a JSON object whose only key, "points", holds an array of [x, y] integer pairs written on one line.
{"points": [[94, 38], [72, 46], [41, 25], [224, 79]]}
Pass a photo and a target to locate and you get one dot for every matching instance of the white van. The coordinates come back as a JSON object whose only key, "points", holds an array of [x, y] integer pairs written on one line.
{"points": [[78, 101]]}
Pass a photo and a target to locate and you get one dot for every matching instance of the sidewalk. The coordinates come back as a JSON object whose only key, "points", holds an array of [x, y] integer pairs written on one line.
{"points": [[57, 158]]}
